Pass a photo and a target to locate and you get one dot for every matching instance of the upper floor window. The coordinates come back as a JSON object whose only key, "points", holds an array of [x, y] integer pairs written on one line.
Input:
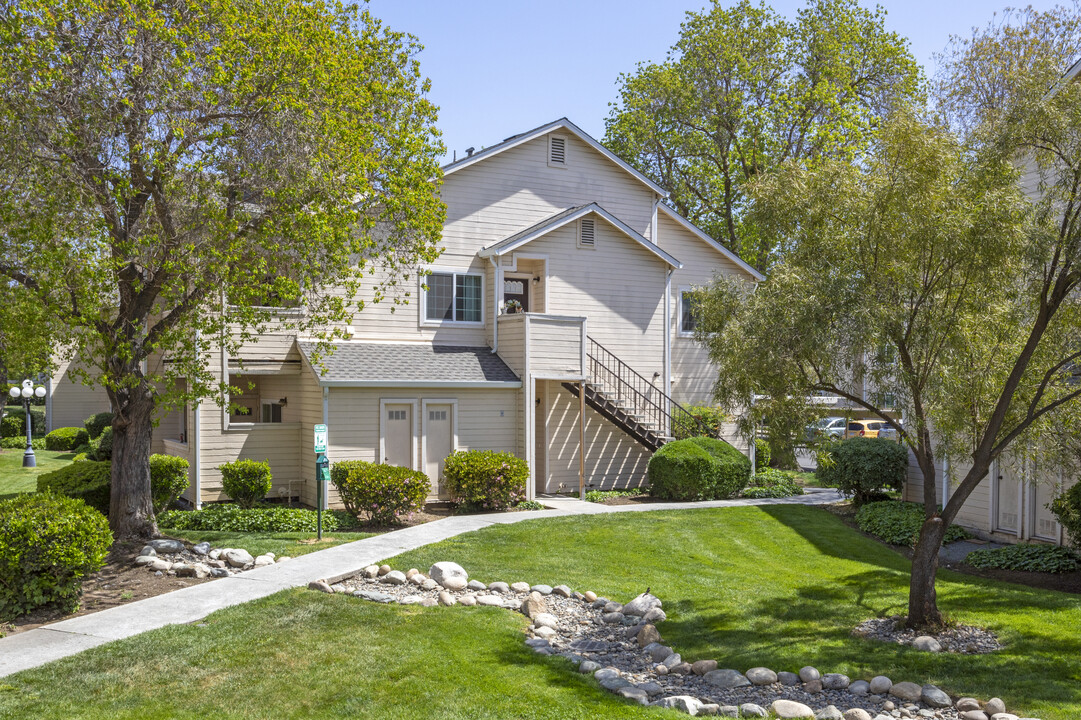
{"points": [[454, 297], [688, 312]]}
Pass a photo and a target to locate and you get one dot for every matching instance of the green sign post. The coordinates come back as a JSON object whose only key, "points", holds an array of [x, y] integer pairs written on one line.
{"points": [[322, 476]]}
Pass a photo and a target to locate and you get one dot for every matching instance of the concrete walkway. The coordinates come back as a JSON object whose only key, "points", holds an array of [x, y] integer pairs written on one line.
{"points": [[51, 642]]}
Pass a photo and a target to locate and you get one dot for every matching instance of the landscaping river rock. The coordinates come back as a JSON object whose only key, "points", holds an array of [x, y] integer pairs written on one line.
{"points": [[173, 557], [621, 646]]}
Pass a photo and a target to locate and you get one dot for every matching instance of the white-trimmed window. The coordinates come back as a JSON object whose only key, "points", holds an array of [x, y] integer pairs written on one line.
{"points": [[688, 312], [271, 411], [454, 297]]}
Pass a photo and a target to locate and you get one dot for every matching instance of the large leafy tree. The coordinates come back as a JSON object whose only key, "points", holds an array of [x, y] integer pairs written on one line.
{"points": [[925, 277], [175, 163], [745, 90]]}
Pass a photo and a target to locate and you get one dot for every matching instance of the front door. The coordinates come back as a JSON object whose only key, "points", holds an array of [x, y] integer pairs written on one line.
{"points": [[398, 434], [516, 289], [438, 441], [1007, 496]]}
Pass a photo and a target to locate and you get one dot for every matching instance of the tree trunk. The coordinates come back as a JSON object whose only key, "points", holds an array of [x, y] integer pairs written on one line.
{"points": [[131, 509], [922, 605]]}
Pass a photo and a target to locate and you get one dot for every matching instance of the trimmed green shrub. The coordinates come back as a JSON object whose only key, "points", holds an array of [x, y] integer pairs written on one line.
{"points": [[1033, 558], [67, 438], [12, 426], [48, 544], [762, 453], [485, 480], [14, 422], [168, 478], [698, 469], [102, 447], [87, 481], [861, 467], [899, 523], [771, 483], [530, 505], [18, 443], [1067, 508], [229, 517], [96, 424], [246, 481], [383, 493], [710, 417]]}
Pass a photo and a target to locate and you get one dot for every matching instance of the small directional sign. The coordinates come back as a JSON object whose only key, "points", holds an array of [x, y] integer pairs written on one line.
{"points": [[320, 438]]}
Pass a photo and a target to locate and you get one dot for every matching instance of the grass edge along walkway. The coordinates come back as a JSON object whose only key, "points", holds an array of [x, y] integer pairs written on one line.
{"points": [[32, 648]]}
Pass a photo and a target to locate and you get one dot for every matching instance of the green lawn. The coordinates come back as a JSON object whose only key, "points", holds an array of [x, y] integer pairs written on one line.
{"points": [[279, 543], [14, 478], [780, 586]]}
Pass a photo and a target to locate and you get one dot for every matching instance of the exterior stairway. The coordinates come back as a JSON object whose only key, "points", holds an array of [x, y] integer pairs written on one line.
{"points": [[633, 403]]}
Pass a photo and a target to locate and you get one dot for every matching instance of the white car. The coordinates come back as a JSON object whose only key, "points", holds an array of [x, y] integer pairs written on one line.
{"points": [[828, 427]]}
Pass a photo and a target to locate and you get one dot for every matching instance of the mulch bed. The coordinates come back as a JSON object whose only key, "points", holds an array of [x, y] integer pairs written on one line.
{"points": [[119, 582]]}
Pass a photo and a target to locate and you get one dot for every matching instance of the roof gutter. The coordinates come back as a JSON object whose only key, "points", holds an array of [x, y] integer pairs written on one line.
{"points": [[466, 384]]}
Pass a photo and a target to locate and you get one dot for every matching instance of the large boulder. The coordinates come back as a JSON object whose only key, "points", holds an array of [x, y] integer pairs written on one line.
{"points": [[726, 678], [443, 571], [907, 691], [790, 709], [641, 605], [238, 557], [684, 703], [166, 545]]}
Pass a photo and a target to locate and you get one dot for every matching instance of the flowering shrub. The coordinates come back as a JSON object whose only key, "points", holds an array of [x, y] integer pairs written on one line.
{"points": [[383, 493], [485, 480]]}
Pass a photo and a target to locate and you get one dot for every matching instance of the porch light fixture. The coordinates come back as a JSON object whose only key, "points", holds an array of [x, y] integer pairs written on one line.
{"points": [[26, 392]]}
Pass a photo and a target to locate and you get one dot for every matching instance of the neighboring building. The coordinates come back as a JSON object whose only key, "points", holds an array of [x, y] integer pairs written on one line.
{"points": [[602, 270], [1010, 503]]}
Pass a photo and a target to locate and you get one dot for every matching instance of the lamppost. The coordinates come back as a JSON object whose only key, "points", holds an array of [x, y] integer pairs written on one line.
{"points": [[26, 392]]}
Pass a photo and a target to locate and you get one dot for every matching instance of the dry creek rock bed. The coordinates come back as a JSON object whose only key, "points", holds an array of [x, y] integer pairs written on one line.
{"points": [[623, 649]]}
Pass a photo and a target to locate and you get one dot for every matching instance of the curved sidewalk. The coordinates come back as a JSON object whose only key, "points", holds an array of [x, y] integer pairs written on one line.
{"points": [[68, 637]]}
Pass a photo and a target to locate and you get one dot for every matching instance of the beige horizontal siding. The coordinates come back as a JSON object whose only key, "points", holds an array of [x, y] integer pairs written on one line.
{"points": [[612, 460], [555, 345]]}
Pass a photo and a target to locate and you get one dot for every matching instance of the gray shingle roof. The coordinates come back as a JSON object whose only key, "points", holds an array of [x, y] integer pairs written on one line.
{"points": [[386, 364]]}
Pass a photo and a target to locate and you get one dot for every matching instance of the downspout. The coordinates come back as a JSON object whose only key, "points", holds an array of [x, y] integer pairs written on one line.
{"points": [[668, 336], [495, 304], [196, 464]]}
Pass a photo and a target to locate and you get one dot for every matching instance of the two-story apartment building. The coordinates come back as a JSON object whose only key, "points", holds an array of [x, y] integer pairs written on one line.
{"points": [[556, 325]]}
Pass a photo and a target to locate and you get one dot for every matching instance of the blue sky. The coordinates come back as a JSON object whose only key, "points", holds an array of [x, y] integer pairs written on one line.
{"points": [[499, 68]]}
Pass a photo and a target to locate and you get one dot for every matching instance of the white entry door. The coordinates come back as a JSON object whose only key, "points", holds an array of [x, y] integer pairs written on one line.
{"points": [[398, 434], [1045, 488], [1008, 496], [438, 440]]}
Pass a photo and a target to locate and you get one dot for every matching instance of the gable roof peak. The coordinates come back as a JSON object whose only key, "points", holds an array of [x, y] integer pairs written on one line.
{"points": [[560, 124]]}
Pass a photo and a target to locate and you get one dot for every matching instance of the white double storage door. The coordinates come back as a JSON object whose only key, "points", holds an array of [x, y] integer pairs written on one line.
{"points": [[421, 443]]}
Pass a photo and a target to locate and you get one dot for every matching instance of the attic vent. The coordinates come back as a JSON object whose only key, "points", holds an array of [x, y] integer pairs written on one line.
{"points": [[586, 233], [557, 151]]}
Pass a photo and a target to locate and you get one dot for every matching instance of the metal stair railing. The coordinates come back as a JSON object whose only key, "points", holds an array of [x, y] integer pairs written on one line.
{"points": [[638, 397]]}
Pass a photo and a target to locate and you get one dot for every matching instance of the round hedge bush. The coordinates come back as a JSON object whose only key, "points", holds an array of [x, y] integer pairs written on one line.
{"points": [[246, 481], [1067, 509], [12, 426], [485, 479], [48, 544], [862, 467], [698, 469], [66, 438], [382, 493], [96, 424], [102, 447], [168, 478]]}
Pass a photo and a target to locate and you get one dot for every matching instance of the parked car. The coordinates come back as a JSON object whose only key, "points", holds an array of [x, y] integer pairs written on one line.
{"points": [[863, 428], [828, 427], [889, 430]]}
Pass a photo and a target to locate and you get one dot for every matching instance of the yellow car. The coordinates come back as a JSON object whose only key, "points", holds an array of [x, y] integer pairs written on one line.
{"points": [[863, 428]]}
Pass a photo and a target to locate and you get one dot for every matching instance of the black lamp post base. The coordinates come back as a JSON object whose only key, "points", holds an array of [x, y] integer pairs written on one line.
{"points": [[28, 458]]}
